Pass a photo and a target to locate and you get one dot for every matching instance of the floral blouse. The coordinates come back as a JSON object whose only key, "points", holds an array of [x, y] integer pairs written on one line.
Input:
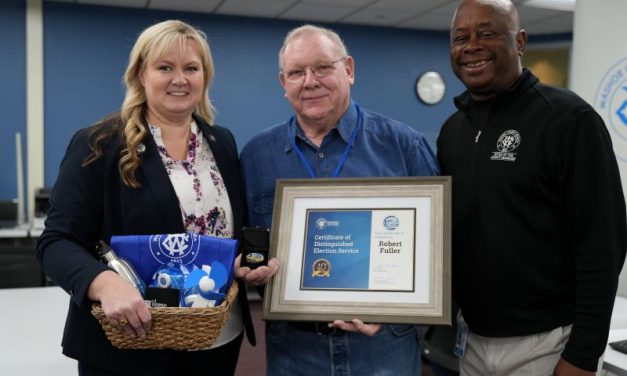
{"points": [[198, 184]]}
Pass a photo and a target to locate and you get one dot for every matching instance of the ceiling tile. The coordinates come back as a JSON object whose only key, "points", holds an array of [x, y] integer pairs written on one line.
{"points": [[532, 13], [254, 8], [412, 6], [317, 12], [380, 17], [356, 4], [568, 5], [116, 3], [437, 19], [429, 21], [447, 10], [544, 21], [196, 6], [556, 25]]}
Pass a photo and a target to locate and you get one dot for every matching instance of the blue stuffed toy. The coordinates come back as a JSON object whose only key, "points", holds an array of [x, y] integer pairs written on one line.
{"points": [[201, 288]]}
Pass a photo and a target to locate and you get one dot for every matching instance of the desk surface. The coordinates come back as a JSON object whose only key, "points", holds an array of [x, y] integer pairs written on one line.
{"points": [[615, 361], [15, 232], [31, 327], [619, 314]]}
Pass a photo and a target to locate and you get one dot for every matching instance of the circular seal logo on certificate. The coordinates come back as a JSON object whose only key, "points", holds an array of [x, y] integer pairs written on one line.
{"points": [[321, 268], [391, 222], [321, 223], [610, 100]]}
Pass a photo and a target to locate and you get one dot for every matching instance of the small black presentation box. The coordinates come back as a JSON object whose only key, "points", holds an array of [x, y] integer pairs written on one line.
{"points": [[256, 241]]}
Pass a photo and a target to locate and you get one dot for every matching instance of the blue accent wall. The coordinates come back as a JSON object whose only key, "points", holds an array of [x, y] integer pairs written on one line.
{"points": [[13, 93], [86, 51]]}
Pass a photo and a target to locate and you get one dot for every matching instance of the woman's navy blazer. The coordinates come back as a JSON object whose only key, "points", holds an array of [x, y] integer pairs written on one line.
{"points": [[90, 203]]}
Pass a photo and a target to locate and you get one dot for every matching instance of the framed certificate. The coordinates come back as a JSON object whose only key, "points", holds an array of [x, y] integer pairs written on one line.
{"points": [[376, 249]]}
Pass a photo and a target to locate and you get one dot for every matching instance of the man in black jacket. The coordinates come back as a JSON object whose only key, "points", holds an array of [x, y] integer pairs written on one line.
{"points": [[539, 222]]}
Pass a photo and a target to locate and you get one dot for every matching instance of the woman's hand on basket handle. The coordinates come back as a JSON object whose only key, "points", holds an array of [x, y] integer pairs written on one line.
{"points": [[258, 276], [121, 302]]}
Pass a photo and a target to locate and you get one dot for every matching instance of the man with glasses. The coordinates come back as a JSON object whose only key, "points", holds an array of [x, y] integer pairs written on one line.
{"points": [[329, 136]]}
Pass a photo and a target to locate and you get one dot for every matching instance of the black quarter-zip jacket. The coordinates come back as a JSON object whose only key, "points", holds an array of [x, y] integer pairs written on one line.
{"points": [[539, 229]]}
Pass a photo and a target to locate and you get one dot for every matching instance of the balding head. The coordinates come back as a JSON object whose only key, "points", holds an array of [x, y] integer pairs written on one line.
{"points": [[503, 7]]}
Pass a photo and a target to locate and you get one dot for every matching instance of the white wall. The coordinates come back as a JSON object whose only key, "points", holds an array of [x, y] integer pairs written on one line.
{"points": [[599, 73]]}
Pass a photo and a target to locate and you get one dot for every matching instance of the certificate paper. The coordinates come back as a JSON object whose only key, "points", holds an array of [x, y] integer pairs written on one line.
{"points": [[359, 249]]}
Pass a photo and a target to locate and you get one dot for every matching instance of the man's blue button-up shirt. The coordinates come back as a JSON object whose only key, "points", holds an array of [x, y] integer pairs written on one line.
{"points": [[382, 148]]}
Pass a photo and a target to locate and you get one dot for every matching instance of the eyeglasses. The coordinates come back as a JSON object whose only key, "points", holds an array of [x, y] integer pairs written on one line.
{"points": [[320, 70]]}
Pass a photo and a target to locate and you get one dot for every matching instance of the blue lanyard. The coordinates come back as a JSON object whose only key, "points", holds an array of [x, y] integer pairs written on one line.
{"points": [[304, 160]]}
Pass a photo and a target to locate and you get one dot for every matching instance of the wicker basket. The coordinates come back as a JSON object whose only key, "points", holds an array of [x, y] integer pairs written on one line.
{"points": [[179, 328]]}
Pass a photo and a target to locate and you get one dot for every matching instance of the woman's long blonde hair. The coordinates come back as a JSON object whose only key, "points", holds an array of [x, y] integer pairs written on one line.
{"points": [[153, 43]]}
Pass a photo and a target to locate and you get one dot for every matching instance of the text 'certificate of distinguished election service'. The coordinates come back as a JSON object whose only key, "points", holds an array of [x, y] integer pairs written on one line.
{"points": [[358, 249]]}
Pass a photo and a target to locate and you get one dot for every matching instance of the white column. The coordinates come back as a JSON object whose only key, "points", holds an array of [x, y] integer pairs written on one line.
{"points": [[599, 72], [34, 101]]}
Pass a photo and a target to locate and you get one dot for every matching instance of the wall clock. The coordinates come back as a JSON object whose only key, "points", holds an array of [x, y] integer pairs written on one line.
{"points": [[430, 87]]}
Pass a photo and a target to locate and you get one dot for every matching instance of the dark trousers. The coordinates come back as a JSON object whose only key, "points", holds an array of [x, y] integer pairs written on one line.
{"points": [[220, 361]]}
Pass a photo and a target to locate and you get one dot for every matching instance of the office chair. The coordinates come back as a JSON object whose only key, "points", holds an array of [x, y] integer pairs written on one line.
{"points": [[19, 267], [8, 214], [437, 349], [438, 344]]}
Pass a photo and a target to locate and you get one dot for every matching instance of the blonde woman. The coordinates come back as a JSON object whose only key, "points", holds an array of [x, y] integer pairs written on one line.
{"points": [[159, 165]]}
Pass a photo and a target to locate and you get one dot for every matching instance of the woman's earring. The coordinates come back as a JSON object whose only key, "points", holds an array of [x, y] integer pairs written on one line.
{"points": [[141, 148]]}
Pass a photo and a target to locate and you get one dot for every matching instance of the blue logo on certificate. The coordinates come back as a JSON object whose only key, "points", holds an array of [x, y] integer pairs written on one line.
{"points": [[391, 222], [337, 249]]}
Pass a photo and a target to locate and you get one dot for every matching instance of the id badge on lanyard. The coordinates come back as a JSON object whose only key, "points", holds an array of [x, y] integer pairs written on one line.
{"points": [[305, 162], [462, 336]]}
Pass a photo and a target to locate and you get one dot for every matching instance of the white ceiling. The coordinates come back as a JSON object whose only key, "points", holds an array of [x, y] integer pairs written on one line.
{"points": [[410, 14]]}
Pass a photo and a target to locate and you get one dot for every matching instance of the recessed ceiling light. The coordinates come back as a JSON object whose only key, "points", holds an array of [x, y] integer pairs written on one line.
{"points": [[567, 5]]}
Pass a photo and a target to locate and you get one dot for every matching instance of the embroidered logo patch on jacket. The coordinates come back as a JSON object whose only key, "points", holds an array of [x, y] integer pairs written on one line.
{"points": [[507, 142]]}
